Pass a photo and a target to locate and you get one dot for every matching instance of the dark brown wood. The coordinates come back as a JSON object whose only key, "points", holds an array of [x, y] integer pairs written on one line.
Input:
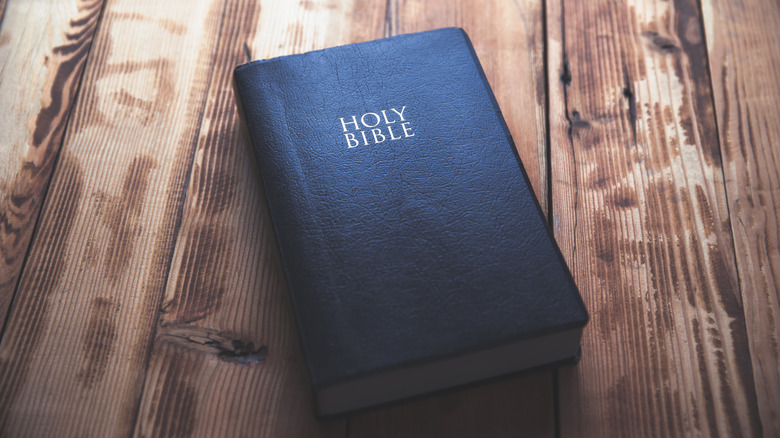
{"points": [[520, 406], [226, 359], [641, 216], [39, 77], [742, 41]]}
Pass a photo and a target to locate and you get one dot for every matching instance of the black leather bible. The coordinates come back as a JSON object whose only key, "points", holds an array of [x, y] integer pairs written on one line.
{"points": [[416, 255]]}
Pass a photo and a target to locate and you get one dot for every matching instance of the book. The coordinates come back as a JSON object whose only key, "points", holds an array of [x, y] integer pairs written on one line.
{"points": [[416, 255]]}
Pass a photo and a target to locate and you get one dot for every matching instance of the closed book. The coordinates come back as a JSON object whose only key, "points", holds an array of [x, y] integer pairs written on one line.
{"points": [[416, 255]]}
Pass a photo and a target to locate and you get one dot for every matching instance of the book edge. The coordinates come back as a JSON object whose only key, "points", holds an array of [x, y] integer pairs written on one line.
{"points": [[543, 218], [296, 313], [570, 360], [258, 62]]}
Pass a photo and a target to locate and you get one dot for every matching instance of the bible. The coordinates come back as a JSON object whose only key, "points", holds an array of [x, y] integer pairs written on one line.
{"points": [[416, 255]]}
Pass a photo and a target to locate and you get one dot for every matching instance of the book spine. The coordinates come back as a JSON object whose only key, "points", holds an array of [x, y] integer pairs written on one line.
{"points": [[263, 123]]}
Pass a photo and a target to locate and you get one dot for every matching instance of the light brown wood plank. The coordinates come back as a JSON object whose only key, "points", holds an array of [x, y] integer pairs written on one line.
{"points": [[226, 359], [78, 339], [743, 39], [640, 213], [508, 38], [43, 48]]}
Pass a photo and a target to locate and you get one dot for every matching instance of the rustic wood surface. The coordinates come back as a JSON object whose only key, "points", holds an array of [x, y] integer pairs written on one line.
{"points": [[140, 287], [39, 74], [641, 216], [742, 42]]}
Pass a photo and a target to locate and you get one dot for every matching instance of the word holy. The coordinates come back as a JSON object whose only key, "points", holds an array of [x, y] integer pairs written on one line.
{"points": [[367, 128]]}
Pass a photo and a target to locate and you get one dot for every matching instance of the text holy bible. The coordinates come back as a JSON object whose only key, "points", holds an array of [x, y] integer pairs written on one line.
{"points": [[416, 255]]}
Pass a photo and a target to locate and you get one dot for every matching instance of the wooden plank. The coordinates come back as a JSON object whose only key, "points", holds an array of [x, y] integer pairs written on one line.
{"points": [[742, 41], [508, 38], [640, 213], [39, 76], [78, 339], [226, 359], [519, 406]]}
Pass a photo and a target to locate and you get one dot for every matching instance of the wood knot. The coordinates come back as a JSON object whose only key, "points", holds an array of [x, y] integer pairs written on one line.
{"points": [[660, 42], [566, 73], [225, 346], [577, 122]]}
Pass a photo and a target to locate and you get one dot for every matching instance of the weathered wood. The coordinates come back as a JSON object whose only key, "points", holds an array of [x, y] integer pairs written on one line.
{"points": [[74, 353], [508, 38], [743, 40], [39, 75], [154, 178], [640, 213], [226, 359]]}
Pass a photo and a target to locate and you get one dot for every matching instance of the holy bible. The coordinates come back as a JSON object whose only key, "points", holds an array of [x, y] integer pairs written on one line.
{"points": [[416, 255]]}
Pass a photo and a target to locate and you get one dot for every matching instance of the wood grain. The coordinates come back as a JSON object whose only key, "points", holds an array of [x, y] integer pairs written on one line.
{"points": [[74, 353], [226, 359], [742, 40], [39, 77], [509, 40], [640, 213]]}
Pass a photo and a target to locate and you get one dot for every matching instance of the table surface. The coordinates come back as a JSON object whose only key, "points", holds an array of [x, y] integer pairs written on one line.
{"points": [[140, 286]]}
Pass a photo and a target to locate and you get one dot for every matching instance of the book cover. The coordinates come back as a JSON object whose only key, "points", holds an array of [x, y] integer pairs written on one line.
{"points": [[416, 255]]}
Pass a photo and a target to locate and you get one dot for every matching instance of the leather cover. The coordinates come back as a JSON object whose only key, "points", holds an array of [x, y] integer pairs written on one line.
{"points": [[400, 251]]}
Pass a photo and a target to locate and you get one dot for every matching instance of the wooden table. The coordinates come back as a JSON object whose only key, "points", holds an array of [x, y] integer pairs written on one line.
{"points": [[140, 287]]}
